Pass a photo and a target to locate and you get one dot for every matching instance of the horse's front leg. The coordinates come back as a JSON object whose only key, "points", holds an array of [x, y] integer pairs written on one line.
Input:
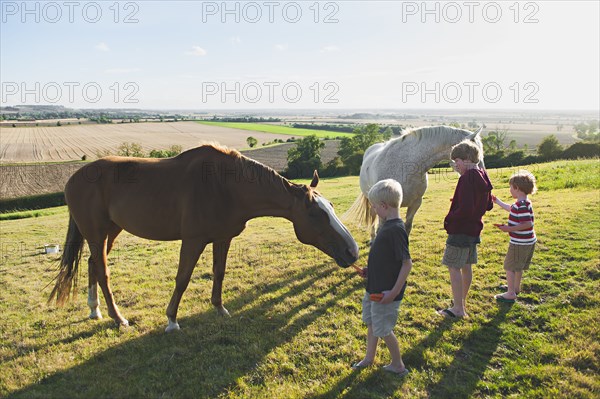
{"points": [[188, 257], [220, 250], [411, 211]]}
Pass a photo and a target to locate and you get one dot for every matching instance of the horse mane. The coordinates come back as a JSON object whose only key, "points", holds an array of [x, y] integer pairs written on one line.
{"points": [[434, 133], [250, 168]]}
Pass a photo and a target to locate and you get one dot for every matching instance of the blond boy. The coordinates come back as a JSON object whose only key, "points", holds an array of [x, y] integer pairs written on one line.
{"points": [[387, 271], [520, 229]]}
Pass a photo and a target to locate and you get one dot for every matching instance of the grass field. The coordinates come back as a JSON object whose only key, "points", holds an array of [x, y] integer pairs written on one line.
{"points": [[295, 325], [278, 129]]}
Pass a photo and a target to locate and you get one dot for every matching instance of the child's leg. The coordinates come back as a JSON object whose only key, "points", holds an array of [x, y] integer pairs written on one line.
{"points": [[518, 277], [372, 341], [467, 278], [456, 281], [511, 291], [397, 364]]}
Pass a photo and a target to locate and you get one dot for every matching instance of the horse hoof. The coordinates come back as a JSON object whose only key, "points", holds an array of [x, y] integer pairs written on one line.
{"points": [[173, 326], [124, 323], [95, 316], [223, 312]]}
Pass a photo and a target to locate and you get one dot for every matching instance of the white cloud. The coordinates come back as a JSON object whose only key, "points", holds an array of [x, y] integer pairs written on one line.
{"points": [[330, 49], [102, 46], [196, 51], [235, 40], [121, 70], [281, 47]]}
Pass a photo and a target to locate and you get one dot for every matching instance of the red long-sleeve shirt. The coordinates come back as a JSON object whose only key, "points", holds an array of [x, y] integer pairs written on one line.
{"points": [[472, 199]]}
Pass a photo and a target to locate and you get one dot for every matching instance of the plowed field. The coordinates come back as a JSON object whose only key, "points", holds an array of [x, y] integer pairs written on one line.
{"points": [[67, 143]]}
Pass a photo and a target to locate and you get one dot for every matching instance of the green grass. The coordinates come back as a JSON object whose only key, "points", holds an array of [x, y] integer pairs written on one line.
{"points": [[30, 213], [278, 129], [30, 203], [295, 325]]}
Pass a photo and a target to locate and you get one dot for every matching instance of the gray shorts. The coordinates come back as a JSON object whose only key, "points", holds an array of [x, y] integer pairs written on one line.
{"points": [[518, 257], [458, 257], [382, 318]]}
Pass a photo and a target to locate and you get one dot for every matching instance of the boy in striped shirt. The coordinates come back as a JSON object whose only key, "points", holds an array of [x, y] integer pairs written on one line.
{"points": [[520, 229]]}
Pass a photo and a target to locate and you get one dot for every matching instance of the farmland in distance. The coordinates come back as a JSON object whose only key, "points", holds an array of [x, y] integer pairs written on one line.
{"points": [[68, 143], [21, 180]]}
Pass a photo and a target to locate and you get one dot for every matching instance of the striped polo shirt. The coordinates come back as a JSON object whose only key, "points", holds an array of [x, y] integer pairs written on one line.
{"points": [[520, 212]]}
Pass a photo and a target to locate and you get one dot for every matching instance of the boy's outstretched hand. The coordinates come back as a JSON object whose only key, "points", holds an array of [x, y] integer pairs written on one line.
{"points": [[502, 227], [362, 271]]}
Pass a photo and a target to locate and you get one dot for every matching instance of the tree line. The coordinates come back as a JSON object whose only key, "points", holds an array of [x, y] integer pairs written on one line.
{"points": [[135, 150], [499, 151]]}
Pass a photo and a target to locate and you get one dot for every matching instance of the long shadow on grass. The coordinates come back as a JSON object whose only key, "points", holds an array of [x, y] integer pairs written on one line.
{"points": [[379, 383], [470, 362], [210, 354]]}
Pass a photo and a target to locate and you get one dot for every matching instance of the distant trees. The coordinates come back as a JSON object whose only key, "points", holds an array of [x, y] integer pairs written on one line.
{"points": [[353, 148], [251, 141], [173, 151], [305, 157], [549, 149], [498, 153], [588, 131], [130, 150], [495, 142], [244, 119], [135, 150]]}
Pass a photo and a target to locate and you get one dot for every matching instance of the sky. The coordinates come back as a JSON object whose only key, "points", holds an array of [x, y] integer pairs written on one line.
{"points": [[196, 55]]}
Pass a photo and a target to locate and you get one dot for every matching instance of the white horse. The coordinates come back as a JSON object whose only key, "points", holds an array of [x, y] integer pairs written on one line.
{"points": [[407, 160]]}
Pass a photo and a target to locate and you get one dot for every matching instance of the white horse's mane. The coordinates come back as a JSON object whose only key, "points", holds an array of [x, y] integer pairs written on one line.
{"points": [[441, 134]]}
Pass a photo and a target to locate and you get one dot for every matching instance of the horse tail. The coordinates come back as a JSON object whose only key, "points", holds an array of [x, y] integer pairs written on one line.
{"points": [[360, 212], [66, 280]]}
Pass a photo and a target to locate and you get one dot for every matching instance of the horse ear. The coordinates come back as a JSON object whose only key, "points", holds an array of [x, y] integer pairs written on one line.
{"points": [[477, 133], [315, 179]]}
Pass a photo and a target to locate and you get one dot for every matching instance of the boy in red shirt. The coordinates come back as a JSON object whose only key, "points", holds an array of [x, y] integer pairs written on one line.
{"points": [[472, 198]]}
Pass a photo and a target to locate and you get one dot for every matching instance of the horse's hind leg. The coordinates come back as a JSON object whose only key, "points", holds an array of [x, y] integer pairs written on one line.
{"points": [[188, 257], [374, 223], [93, 301], [98, 266], [220, 250]]}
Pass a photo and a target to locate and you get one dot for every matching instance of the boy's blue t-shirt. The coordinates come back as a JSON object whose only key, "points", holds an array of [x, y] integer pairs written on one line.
{"points": [[388, 251]]}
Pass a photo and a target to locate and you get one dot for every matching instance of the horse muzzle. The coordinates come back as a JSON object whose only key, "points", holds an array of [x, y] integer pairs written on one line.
{"points": [[346, 257]]}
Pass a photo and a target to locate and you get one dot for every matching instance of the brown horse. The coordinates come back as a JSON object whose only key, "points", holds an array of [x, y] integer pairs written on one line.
{"points": [[204, 195]]}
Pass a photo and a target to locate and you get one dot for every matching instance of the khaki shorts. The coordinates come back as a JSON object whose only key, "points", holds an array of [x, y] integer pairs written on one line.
{"points": [[518, 257], [382, 318], [458, 257]]}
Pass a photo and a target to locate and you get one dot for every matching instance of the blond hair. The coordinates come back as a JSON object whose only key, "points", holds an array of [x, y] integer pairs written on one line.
{"points": [[388, 191], [524, 181], [466, 150]]}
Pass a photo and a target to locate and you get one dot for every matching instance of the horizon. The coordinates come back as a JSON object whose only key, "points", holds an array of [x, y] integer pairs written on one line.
{"points": [[310, 110]]}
